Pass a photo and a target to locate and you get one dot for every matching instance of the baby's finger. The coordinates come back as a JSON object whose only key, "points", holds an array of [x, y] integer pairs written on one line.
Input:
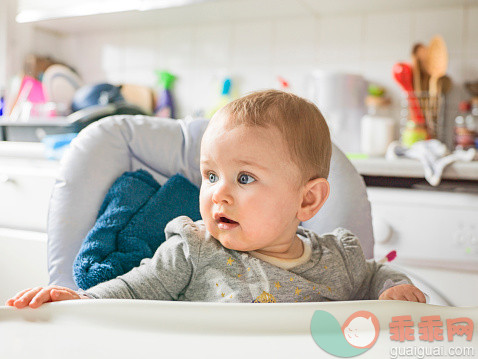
{"points": [[41, 297], [63, 294], [385, 296], [26, 298], [421, 298], [409, 296], [69, 290], [398, 295], [413, 294], [16, 296]]}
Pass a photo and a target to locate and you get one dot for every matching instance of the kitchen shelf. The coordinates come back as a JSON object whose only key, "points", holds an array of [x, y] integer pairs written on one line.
{"points": [[192, 12], [409, 168], [38, 121], [14, 150]]}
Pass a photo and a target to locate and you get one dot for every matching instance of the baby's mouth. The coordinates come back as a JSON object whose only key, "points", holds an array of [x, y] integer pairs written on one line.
{"points": [[225, 223], [226, 220]]}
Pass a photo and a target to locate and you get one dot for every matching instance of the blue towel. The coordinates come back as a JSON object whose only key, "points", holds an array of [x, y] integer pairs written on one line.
{"points": [[130, 225]]}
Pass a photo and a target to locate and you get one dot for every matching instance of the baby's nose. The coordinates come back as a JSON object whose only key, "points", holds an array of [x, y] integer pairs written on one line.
{"points": [[222, 194]]}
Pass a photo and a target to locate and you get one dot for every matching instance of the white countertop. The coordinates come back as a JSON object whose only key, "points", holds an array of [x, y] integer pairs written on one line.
{"points": [[405, 167], [26, 158], [372, 166], [22, 149]]}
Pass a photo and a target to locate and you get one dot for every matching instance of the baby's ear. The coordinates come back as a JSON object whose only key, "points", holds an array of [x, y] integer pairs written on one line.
{"points": [[315, 193]]}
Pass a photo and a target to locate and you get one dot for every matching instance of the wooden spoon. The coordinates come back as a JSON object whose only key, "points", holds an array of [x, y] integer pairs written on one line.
{"points": [[444, 85], [436, 63], [417, 67], [421, 53], [437, 124]]}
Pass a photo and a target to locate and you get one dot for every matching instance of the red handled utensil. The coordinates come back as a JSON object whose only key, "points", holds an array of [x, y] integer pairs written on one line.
{"points": [[403, 74]]}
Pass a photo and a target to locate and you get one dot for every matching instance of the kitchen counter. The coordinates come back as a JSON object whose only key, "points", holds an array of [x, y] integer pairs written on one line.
{"points": [[432, 228], [410, 168], [26, 182]]}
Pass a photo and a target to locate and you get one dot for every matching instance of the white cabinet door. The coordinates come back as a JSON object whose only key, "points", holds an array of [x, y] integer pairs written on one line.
{"points": [[25, 190], [23, 261]]}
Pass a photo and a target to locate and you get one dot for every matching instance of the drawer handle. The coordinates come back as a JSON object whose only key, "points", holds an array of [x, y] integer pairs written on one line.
{"points": [[382, 230], [4, 178]]}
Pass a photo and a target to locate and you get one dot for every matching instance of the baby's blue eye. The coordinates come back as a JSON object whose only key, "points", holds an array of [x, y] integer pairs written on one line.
{"points": [[245, 179], [212, 177]]}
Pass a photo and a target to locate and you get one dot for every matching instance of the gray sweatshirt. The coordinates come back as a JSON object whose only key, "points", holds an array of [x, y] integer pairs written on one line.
{"points": [[193, 266]]}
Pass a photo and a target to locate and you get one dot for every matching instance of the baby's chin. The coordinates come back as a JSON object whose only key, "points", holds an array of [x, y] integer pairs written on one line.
{"points": [[235, 245]]}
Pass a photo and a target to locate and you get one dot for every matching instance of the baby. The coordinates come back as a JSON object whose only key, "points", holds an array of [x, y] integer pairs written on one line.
{"points": [[264, 162]]}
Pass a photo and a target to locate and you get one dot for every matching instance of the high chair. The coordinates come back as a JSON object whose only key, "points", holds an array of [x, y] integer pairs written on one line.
{"points": [[106, 149], [143, 328]]}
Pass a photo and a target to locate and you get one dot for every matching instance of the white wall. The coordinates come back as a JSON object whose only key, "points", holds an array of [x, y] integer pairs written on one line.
{"points": [[18, 40], [3, 44], [255, 52]]}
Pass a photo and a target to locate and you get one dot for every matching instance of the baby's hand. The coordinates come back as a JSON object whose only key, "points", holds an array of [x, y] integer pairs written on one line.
{"points": [[34, 297], [406, 292]]}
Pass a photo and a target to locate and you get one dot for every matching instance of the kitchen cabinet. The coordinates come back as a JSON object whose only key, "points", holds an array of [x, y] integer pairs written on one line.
{"points": [[25, 188], [64, 16], [23, 261], [435, 236], [433, 230], [410, 168], [29, 11], [26, 183]]}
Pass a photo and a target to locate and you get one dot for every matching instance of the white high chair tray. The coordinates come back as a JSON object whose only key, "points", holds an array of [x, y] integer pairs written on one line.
{"points": [[137, 329]]}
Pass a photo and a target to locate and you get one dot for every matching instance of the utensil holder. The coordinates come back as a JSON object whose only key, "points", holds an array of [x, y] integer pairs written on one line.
{"points": [[427, 109]]}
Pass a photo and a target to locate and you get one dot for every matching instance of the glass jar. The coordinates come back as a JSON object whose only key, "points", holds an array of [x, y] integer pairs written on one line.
{"points": [[422, 117], [377, 127], [464, 130]]}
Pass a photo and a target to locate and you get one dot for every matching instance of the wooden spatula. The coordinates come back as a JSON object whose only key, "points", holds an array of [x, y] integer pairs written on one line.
{"points": [[436, 63]]}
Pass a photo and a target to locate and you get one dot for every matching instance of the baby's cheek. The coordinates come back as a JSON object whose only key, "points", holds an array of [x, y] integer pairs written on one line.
{"points": [[261, 228], [204, 202]]}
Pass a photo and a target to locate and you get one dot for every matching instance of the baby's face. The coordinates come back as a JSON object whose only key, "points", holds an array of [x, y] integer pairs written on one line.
{"points": [[250, 191]]}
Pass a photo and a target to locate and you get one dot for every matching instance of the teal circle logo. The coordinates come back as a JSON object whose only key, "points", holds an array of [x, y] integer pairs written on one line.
{"points": [[357, 335]]}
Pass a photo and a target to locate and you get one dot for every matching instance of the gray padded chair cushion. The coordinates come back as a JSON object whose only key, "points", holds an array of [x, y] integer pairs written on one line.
{"points": [[109, 147]]}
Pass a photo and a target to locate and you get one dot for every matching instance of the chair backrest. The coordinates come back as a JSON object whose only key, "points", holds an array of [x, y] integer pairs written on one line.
{"points": [[106, 149]]}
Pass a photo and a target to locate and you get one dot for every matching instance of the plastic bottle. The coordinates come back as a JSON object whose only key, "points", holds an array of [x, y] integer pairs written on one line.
{"points": [[464, 131], [377, 127], [474, 118], [224, 98], [165, 106], [284, 84], [2, 102]]}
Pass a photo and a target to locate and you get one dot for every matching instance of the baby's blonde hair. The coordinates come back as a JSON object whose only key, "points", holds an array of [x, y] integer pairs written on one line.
{"points": [[299, 121]]}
